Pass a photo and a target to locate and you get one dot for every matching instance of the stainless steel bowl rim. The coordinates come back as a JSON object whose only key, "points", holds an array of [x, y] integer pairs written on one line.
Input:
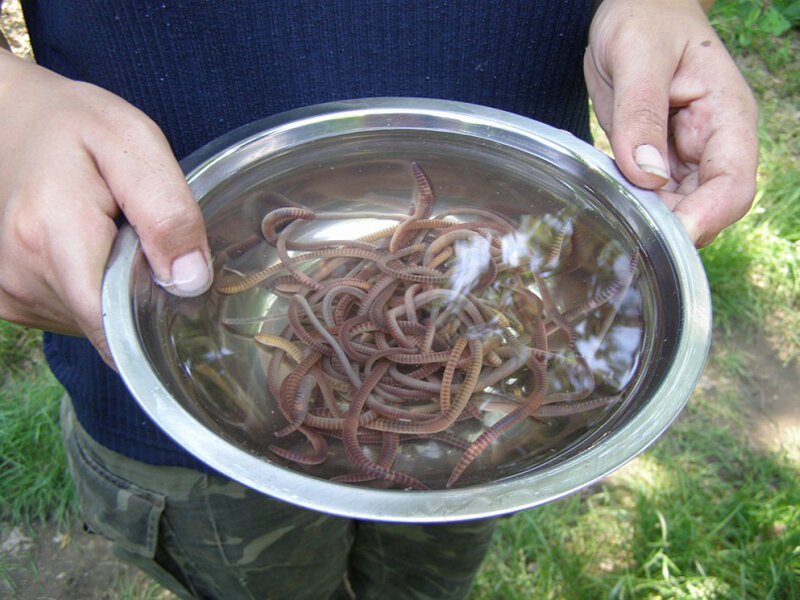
{"points": [[209, 165]]}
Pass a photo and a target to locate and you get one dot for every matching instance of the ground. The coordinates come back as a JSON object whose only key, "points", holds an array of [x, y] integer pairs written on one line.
{"points": [[44, 562], [772, 396], [47, 563], [50, 563]]}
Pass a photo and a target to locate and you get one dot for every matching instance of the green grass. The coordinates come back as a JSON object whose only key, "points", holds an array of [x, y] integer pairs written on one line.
{"points": [[138, 587], [18, 349], [754, 273], [33, 479], [754, 266], [701, 515], [760, 28]]}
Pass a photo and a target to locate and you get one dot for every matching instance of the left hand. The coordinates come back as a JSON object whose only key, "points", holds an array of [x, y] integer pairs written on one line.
{"points": [[678, 113]]}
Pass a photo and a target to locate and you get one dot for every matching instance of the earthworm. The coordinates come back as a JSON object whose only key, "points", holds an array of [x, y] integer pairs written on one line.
{"points": [[294, 391], [299, 404], [529, 407], [390, 442], [601, 298], [384, 346], [505, 403], [493, 216], [422, 204], [350, 437], [318, 444], [448, 413]]}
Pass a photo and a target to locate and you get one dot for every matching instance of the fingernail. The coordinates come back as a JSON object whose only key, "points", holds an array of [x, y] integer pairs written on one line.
{"points": [[649, 160], [191, 275]]}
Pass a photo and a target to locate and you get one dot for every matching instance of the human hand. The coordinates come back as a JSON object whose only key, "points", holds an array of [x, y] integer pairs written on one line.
{"points": [[73, 156], [663, 85]]}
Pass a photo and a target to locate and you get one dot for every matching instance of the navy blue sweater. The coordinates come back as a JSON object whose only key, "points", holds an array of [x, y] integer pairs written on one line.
{"points": [[200, 68]]}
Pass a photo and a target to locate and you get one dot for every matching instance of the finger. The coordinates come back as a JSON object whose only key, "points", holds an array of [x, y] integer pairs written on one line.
{"points": [[150, 189], [640, 112], [77, 276], [706, 211], [727, 164], [718, 198]]}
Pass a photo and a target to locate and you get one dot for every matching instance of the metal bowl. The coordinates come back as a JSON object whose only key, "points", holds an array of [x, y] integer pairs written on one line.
{"points": [[642, 339]]}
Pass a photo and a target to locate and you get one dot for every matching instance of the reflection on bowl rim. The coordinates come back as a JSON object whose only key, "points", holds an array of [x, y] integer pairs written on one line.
{"points": [[206, 166]]}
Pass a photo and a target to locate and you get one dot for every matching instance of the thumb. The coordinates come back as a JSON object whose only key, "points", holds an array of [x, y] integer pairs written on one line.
{"points": [[639, 121], [150, 189]]}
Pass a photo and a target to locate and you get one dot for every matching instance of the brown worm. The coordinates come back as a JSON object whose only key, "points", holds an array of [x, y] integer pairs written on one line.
{"points": [[395, 336]]}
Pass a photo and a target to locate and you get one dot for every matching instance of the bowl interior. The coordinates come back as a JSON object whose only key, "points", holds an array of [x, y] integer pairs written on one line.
{"points": [[206, 350], [566, 311]]}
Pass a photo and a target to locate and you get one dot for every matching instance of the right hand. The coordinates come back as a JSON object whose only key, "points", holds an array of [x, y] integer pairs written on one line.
{"points": [[677, 110], [72, 158]]}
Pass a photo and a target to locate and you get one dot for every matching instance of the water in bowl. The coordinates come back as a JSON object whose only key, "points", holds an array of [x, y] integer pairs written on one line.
{"points": [[412, 321]]}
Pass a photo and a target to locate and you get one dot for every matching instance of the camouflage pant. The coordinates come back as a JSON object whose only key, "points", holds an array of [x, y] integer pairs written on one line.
{"points": [[204, 536]]}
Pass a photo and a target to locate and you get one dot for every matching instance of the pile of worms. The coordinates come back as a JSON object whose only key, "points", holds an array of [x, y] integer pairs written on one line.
{"points": [[403, 333]]}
